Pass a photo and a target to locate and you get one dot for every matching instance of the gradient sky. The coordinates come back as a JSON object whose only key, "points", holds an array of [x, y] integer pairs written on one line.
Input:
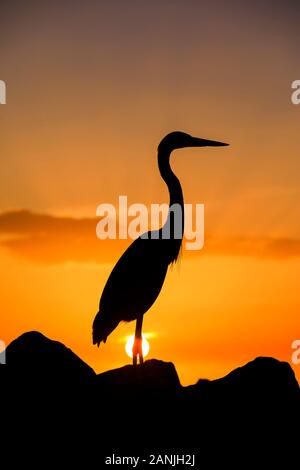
{"points": [[91, 89]]}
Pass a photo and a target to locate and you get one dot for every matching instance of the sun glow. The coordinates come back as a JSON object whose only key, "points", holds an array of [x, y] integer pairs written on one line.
{"points": [[129, 346]]}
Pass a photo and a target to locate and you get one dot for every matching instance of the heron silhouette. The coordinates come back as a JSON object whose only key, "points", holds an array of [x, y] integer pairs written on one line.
{"points": [[136, 280]]}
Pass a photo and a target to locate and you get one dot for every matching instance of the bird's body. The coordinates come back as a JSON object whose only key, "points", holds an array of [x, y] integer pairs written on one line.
{"points": [[136, 280]]}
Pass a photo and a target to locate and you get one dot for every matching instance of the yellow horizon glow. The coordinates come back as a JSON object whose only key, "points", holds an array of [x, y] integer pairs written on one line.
{"points": [[213, 314], [129, 345]]}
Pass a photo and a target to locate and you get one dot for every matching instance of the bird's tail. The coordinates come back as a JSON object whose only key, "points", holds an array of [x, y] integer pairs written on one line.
{"points": [[102, 327]]}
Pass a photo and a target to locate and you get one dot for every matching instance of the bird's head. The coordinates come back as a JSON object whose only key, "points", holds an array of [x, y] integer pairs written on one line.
{"points": [[179, 140]]}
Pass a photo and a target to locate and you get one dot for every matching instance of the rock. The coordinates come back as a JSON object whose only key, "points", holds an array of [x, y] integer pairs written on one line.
{"points": [[48, 387], [37, 358], [153, 376]]}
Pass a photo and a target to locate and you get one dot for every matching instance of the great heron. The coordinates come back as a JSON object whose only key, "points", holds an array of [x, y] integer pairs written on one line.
{"points": [[136, 280]]}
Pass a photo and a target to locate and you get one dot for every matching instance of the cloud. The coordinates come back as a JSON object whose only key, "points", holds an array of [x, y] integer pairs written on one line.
{"points": [[254, 247], [48, 239]]}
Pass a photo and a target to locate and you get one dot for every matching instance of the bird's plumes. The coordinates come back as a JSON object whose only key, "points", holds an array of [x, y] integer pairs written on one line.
{"points": [[102, 327]]}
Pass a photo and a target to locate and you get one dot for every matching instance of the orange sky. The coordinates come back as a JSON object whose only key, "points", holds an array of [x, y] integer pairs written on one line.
{"points": [[90, 91]]}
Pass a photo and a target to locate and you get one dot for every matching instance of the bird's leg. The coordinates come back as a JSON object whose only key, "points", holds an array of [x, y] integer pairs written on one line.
{"points": [[137, 345]]}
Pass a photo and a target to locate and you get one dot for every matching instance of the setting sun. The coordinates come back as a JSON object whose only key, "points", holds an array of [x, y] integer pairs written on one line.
{"points": [[129, 346]]}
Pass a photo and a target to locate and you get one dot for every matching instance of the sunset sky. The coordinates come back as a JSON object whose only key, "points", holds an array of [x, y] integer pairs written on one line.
{"points": [[92, 87]]}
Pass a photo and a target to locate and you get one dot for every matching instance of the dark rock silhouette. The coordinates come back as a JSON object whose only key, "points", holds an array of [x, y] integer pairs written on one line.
{"points": [[34, 354], [152, 377], [48, 387], [264, 379]]}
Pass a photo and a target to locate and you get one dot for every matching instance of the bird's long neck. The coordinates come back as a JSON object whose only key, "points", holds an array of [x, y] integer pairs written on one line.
{"points": [[175, 220]]}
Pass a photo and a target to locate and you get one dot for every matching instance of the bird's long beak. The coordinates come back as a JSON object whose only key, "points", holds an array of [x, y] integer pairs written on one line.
{"points": [[196, 142]]}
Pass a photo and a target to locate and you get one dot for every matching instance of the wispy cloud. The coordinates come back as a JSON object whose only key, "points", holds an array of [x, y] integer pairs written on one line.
{"points": [[49, 239], [254, 247]]}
